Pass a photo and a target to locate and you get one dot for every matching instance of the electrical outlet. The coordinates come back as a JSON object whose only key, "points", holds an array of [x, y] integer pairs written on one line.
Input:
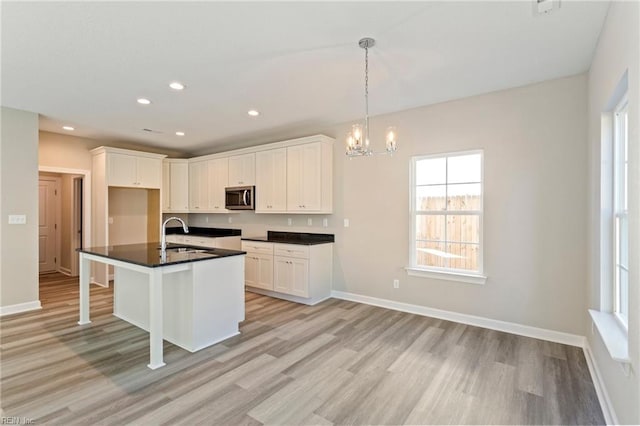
{"points": [[230, 219], [396, 283], [346, 223], [325, 222], [310, 222], [289, 221]]}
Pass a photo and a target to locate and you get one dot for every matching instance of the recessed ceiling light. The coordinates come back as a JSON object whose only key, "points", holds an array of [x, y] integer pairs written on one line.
{"points": [[253, 113], [176, 85], [68, 128], [144, 101], [179, 133]]}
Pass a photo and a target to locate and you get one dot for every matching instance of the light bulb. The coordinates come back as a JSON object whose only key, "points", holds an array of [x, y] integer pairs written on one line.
{"points": [[391, 139]]}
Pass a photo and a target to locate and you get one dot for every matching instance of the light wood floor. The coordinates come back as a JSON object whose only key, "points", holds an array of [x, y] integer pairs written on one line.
{"points": [[334, 363]]}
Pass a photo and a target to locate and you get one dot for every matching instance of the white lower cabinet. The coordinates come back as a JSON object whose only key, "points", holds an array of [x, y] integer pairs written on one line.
{"points": [[299, 273]]}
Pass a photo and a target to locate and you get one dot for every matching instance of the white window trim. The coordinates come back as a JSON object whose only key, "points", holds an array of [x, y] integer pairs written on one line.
{"points": [[611, 328], [471, 277], [618, 213]]}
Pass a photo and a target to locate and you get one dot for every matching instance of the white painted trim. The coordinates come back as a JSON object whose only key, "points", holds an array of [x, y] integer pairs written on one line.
{"points": [[20, 307], [65, 271], [446, 275], [86, 197], [613, 335], [289, 297], [601, 390], [508, 327]]}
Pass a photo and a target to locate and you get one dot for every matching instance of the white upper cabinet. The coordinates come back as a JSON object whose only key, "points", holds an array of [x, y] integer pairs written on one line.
{"points": [[309, 178], [271, 181], [198, 185], [175, 186], [134, 170], [218, 181], [242, 170], [293, 176]]}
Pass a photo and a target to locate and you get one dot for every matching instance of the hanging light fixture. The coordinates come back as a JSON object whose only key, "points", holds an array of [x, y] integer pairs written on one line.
{"points": [[358, 137]]}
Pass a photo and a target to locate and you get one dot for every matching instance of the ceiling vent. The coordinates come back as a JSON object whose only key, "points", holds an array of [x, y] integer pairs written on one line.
{"points": [[545, 7]]}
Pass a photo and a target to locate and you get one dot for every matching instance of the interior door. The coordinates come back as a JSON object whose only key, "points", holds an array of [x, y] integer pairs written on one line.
{"points": [[47, 214]]}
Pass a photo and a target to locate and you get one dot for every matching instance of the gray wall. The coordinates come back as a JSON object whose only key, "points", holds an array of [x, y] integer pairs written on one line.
{"points": [[19, 184], [618, 51]]}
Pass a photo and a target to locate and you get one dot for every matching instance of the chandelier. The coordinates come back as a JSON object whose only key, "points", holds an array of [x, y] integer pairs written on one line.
{"points": [[358, 137]]}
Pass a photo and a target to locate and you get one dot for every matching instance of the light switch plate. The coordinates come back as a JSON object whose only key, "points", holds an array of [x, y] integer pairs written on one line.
{"points": [[346, 223], [310, 222], [17, 219]]}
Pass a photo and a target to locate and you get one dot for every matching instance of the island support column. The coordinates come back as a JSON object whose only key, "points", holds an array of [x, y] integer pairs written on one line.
{"points": [[155, 319], [85, 271]]}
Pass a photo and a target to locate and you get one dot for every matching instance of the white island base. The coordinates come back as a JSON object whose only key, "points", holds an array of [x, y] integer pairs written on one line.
{"points": [[201, 305]]}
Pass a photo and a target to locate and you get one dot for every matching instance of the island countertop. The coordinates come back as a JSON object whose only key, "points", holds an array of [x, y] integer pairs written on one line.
{"points": [[148, 254]]}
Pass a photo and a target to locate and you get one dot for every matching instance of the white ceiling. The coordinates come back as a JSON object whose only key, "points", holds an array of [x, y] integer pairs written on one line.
{"points": [[84, 64]]}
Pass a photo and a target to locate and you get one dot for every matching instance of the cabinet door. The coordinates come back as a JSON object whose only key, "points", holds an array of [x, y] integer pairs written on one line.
{"points": [[304, 186], [271, 181], [259, 271], [291, 276], [218, 178], [179, 187], [251, 270], [148, 172], [166, 186], [282, 278], [265, 271], [242, 169], [122, 170], [198, 185]]}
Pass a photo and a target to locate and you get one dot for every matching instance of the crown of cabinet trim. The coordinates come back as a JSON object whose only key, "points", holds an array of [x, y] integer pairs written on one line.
{"points": [[110, 150], [266, 147]]}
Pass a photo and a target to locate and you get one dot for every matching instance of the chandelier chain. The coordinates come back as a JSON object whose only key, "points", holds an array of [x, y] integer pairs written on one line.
{"points": [[366, 93]]}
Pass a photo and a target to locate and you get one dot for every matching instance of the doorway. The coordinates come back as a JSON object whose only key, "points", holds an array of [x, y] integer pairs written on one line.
{"points": [[63, 211]]}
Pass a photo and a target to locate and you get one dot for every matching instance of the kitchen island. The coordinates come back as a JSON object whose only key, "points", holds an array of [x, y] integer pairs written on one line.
{"points": [[191, 297]]}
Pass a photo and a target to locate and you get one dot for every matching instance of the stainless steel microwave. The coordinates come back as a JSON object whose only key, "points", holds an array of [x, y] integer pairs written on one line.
{"points": [[240, 198]]}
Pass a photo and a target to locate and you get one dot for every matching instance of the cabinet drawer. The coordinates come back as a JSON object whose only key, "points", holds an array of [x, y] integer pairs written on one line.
{"points": [[175, 238], [291, 250], [200, 241], [257, 247]]}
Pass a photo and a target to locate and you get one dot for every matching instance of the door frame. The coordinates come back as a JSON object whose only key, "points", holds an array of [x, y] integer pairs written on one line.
{"points": [[86, 197]]}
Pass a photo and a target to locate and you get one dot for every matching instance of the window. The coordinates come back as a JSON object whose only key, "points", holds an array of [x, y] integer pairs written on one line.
{"points": [[446, 209], [620, 213]]}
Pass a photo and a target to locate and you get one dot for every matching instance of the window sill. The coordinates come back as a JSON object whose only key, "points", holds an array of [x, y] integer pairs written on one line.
{"points": [[449, 276], [615, 338]]}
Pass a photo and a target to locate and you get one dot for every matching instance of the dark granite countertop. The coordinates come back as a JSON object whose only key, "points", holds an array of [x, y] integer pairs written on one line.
{"points": [[302, 238], [205, 232], [149, 254]]}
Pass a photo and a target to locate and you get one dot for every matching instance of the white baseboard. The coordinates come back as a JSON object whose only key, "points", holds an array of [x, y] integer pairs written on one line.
{"points": [[508, 327], [65, 271], [290, 298], [603, 396], [20, 307]]}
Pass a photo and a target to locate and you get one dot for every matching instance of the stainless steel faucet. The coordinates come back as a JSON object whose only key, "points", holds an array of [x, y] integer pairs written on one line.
{"points": [[163, 238]]}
